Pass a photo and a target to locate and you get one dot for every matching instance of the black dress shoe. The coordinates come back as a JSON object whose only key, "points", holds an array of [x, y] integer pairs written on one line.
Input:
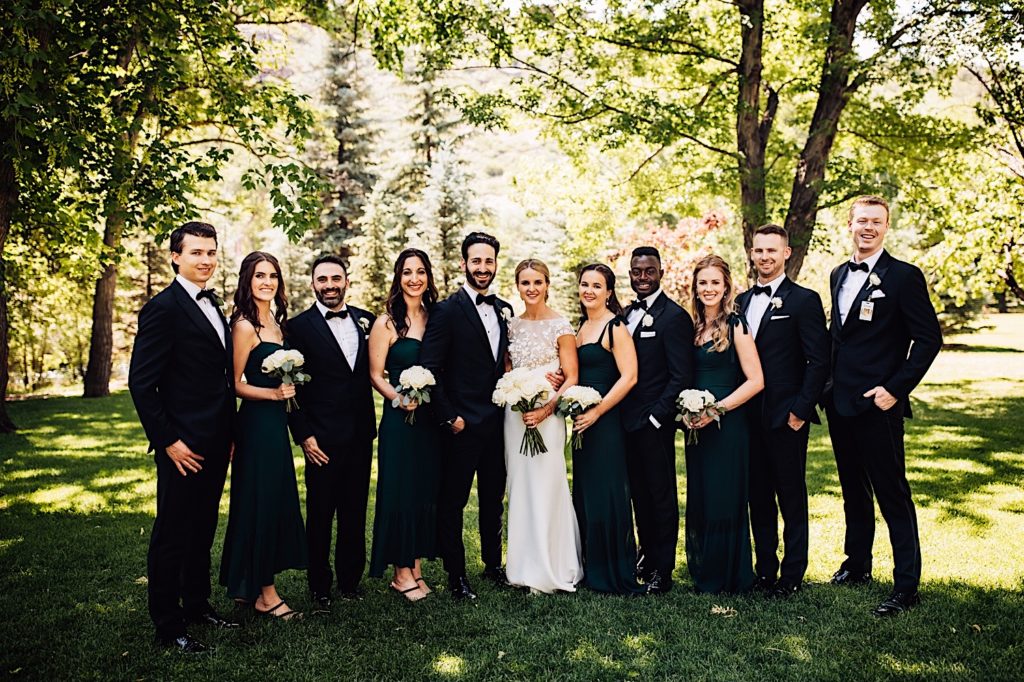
{"points": [[353, 594], [763, 584], [784, 589], [321, 603], [845, 577], [185, 644], [496, 575], [212, 618], [657, 583], [460, 589], [897, 603]]}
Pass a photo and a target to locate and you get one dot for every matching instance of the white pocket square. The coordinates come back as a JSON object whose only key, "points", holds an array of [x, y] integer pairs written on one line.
{"points": [[648, 335], [877, 293], [780, 317]]}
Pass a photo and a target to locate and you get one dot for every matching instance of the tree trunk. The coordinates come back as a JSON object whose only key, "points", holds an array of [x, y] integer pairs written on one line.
{"points": [[749, 140], [8, 200], [833, 93], [97, 374]]}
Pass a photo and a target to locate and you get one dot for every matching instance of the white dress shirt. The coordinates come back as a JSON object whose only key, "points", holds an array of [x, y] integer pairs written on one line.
{"points": [[759, 303], [489, 316], [346, 333], [634, 317], [852, 285], [206, 306]]}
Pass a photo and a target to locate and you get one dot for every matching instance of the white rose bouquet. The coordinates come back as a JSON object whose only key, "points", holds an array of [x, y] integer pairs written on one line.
{"points": [[575, 401], [287, 366], [524, 390], [693, 406], [413, 384]]}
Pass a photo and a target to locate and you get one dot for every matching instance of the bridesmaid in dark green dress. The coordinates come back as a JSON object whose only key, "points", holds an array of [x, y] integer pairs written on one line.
{"points": [[408, 455], [600, 491], [718, 551], [265, 534]]}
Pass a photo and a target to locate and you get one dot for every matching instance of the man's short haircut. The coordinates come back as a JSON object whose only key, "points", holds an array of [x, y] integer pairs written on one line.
{"points": [[772, 228], [196, 229], [641, 251], [328, 258], [479, 238], [868, 200]]}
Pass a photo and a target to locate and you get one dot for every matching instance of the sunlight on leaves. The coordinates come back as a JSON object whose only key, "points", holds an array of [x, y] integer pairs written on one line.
{"points": [[449, 665]]}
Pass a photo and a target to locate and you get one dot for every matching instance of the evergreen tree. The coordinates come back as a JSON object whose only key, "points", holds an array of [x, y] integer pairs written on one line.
{"points": [[442, 216], [384, 219]]}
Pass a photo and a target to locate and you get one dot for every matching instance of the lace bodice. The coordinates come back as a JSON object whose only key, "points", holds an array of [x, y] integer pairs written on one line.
{"points": [[534, 343]]}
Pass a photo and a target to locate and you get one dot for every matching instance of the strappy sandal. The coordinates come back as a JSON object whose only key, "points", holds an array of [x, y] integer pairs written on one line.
{"points": [[290, 614], [407, 593], [426, 588]]}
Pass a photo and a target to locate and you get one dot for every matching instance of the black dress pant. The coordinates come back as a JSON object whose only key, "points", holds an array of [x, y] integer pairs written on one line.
{"points": [[476, 450], [651, 463], [187, 508], [870, 460], [778, 469], [339, 489]]}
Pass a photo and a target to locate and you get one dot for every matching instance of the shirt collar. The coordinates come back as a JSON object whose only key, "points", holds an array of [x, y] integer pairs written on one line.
{"points": [[870, 260], [472, 292], [650, 299], [324, 309], [774, 284], [190, 287]]}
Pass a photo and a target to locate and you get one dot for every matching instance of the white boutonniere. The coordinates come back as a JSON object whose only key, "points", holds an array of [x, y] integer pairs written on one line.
{"points": [[777, 302], [874, 279], [506, 313], [364, 323], [647, 321]]}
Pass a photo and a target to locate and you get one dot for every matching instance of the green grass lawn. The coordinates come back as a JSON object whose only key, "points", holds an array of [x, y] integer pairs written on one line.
{"points": [[77, 497]]}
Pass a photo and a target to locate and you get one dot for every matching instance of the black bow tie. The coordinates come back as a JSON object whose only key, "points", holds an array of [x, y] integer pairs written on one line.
{"points": [[862, 266], [638, 305], [766, 290], [207, 293], [341, 313], [489, 299]]}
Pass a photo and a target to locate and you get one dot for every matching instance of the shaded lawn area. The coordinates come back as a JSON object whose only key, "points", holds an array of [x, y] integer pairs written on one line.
{"points": [[77, 496]]}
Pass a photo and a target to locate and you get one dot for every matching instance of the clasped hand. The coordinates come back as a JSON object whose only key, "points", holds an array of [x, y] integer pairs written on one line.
{"points": [[284, 392]]}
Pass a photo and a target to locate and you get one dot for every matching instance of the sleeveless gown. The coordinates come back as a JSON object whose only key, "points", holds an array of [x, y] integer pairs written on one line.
{"points": [[718, 551], [408, 476], [600, 490], [265, 533]]}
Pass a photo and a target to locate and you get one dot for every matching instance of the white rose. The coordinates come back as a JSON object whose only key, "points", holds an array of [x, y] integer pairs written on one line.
{"points": [[874, 279], [416, 377], [647, 321], [777, 302]]}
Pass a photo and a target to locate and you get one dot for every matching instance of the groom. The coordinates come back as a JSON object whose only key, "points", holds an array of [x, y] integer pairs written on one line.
{"points": [[464, 346], [663, 334]]}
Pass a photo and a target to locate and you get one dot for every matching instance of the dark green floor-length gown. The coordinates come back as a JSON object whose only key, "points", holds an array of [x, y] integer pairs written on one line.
{"points": [[717, 525], [265, 533], [600, 491], [408, 476]]}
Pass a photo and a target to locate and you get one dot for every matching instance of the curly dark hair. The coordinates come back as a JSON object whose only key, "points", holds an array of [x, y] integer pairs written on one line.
{"points": [[245, 305], [395, 304], [609, 281]]}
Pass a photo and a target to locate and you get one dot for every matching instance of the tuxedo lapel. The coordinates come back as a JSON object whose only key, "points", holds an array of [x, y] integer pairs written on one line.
{"points": [[654, 311], [503, 330], [360, 335], [837, 325], [469, 309], [320, 325], [766, 317], [189, 305]]}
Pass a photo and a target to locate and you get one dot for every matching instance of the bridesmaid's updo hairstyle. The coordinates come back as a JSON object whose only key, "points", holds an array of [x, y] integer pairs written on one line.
{"points": [[537, 265], [395, 304], [719, 326], [245, 305], [609, 282]]}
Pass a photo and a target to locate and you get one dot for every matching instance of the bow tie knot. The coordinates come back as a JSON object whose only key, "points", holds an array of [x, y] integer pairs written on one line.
{"points": [[342, 314], [489, 299], [638, 305], [862, 266], [207, 293], [766, 290]]}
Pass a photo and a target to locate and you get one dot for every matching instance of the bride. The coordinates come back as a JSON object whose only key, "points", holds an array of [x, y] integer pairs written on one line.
{"points": [[543, 536]]}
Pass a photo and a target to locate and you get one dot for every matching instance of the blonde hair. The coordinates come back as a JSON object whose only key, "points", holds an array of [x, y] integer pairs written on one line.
{"points": [[868, 200], [539, 266], [720, 325]]}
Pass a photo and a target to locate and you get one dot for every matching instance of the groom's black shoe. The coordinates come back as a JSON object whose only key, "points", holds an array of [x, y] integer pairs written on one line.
{"points": [[321, 603], [658, 584], [897, 603], [186, 644], [460, 589], [784, 589], [496, 575], [211, 617], [763, 584], [845, 577]]}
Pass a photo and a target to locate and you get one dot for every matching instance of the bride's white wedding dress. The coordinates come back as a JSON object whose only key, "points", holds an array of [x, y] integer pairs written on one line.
{"points": [[543, 536]]}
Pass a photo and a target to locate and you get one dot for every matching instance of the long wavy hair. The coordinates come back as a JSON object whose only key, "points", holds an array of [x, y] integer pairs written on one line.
{"points": [[539, 266], [395, 304], [719, 326], [245, 304], [609, 282]]}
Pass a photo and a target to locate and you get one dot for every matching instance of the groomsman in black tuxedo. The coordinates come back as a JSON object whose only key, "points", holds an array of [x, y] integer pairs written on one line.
{"points": [[663, 334], [335, 425], [464, 346], [885, 335], [788, 325], [181, 381]]}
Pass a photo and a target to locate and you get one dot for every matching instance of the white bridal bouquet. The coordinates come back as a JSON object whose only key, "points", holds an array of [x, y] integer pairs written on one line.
{"points": [[287, 366], [524, 390], [694, 405], [575, 401], [413, 384]]}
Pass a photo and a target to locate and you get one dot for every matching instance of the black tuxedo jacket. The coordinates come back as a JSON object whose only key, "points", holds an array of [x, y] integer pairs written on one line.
{"points": [[894, 349], [457, 351], [793, 347], [336, 405], [181, 377], [664, 355]]}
